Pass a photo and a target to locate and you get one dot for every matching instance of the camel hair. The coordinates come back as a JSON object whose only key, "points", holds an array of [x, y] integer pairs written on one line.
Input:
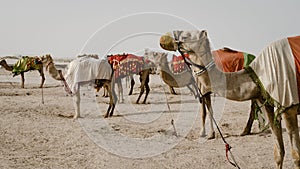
{"points": [[99, 83], [238, 86], [33, 66], [160, 58]]}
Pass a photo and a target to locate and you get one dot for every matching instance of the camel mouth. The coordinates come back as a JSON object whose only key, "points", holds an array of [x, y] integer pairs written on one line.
{"points": [[168, 43]]}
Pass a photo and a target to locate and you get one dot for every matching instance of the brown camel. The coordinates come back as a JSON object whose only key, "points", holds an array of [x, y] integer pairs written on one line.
{"points": [[25, 64], [123, 64], [106, 83], [238, 86]]}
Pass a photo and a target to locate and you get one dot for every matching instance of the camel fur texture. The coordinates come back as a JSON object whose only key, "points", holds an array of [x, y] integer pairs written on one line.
{"points": [[99, 83], [238, 86]]}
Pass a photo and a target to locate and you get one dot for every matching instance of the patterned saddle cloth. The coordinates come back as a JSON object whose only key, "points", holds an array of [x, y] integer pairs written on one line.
{"points": [[27, 63]]}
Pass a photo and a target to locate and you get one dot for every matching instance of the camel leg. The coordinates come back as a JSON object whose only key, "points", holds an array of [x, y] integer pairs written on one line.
{"points": [[120, 90], [291, 122], [132, 82], [203, 118], [43, 77], [22, 80], [112, 99], [147, 92], [207, 102], [76, 102], [247, 129], [172, 91], [140, 95], [277, 135], [144, 79], [105, 93]]}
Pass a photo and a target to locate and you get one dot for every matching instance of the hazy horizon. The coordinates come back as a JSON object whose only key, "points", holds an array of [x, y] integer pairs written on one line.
{"points": [[62, 28]]}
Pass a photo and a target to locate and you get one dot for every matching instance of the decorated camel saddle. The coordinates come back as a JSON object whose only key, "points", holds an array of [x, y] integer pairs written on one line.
{"points": [[26, 64], [178, 65], [280, 62], [126, 64]]}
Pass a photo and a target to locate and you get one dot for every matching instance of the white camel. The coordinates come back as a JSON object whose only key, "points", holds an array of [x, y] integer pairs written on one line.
{"points": [[239, 86], [85, 70]]}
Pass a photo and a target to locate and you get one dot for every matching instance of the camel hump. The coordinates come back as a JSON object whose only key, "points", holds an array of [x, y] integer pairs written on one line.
{"points": [[227, 49]]}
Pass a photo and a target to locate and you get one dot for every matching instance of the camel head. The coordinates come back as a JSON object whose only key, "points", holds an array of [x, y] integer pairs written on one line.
{"points": [[167, 42], [46, 60], [195, 43], [158, 58], [4, 64]]}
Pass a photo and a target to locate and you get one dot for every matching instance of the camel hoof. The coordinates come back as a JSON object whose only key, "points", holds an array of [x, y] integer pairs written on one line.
{"points": [[211, 136], [106, 116], [244, 133], [202, 133], [76, 117]]}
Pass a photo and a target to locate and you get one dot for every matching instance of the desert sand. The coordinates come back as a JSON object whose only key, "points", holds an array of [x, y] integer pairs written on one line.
{"points": [[37, 130]]}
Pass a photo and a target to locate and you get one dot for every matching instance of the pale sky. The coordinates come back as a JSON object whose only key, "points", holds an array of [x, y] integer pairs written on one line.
{"points": [[63, 27]]}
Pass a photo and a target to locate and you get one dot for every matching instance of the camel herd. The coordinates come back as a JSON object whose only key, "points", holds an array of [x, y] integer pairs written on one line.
{"points": [[202, 77]]}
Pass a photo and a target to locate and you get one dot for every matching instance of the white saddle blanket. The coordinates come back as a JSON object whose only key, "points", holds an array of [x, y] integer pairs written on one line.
{"points": [[86, 69], [275, 67]]}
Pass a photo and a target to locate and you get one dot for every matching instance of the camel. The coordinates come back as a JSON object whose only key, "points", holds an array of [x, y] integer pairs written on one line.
{"points": [[99, 83], [160, 58], [30, 63], [239, 86], [178, 80], [122, 64]]}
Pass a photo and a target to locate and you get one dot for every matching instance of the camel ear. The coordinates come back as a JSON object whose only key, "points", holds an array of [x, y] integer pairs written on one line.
{"points": [[204, 32]]}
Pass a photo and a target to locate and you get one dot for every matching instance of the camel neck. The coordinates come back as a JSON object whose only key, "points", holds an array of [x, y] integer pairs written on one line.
{"points": [[6, 66], [54, 72]]}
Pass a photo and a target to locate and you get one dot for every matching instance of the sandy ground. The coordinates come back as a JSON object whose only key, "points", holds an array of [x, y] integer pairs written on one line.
{"points": [[37, 135]]}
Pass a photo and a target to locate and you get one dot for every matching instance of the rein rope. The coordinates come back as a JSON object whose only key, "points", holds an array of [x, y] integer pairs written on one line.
{"points": [[66, 86], [172, 121], [206, 68], [42, 94]]}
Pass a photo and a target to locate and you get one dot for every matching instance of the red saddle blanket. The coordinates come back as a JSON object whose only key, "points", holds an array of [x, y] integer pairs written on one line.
{"points": [[295, 47], [226, 59], [126, 64]]}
